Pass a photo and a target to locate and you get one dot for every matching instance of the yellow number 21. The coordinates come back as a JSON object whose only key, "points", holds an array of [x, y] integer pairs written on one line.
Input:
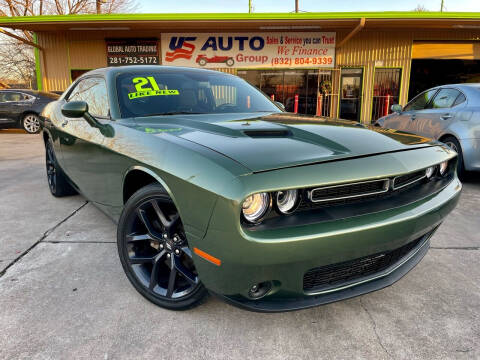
{"points": [[140, 82]]}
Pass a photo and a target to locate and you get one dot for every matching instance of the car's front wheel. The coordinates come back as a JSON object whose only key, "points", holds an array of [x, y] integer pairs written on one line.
{"points": [[453, 144], [57, 180], [31, 123], [154, 251]]}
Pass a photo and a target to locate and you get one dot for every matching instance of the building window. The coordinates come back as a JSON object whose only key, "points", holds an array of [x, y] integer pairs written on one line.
{"points": [[386, 91], [303, 91]]}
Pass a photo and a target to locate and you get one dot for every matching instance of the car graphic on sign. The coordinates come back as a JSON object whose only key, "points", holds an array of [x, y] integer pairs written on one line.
{"points": [[203, 60]]}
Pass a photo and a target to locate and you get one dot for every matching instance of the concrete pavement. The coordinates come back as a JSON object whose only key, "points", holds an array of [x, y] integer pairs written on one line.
{"points": [[64, 294]]}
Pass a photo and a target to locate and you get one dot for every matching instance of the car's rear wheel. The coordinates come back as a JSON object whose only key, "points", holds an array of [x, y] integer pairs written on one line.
{"points": [[154, 251], [202, 62], [31, 123], [453, 144], [57, 180]]}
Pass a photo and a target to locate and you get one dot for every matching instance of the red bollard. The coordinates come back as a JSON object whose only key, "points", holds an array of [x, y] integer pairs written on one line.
{"points": [[387, 106], [295, 106], [319, 104]]}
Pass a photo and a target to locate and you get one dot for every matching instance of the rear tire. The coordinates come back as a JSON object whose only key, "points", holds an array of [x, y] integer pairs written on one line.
{"points": [[57, 180], [31, 123], [154, 251], [453, 143]]}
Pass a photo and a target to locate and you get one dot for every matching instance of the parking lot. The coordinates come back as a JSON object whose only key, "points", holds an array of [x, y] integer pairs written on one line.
{"points": [[63, 293]]}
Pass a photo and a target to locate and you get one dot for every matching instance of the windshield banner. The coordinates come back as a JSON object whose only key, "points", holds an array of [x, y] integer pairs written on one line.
{"points": [[250, 50]]}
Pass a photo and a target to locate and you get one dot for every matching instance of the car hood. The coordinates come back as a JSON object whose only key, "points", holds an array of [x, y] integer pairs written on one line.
{"points": [[264, 142]]}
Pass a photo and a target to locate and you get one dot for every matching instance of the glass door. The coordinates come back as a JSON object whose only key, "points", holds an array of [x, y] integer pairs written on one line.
{"points": [[351, 94], [294, 91]]}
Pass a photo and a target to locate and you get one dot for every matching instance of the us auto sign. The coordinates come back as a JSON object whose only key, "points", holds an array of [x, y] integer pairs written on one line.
{"points": [[250, 50]]}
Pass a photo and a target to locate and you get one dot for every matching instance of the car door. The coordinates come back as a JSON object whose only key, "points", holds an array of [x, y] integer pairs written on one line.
{"points": [[84, 157], [5, 118], [12, 105], [413, 111], [440, 113]]}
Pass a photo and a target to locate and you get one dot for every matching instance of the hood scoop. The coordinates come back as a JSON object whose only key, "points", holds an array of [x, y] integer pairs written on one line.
{"points": [[268, 133]]}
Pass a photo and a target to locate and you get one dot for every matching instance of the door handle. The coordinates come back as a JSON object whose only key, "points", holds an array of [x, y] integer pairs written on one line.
{"points": [[446, 116], [65, 122]]}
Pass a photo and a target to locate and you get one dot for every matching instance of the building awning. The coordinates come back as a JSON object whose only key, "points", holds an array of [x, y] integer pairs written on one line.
{"points": [[247, 22]]}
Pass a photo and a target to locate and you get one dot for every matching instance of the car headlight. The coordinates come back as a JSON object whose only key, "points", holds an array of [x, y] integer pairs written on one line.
{"points": [[443, 168], [286, 201], [255, 207], [430, 171]]}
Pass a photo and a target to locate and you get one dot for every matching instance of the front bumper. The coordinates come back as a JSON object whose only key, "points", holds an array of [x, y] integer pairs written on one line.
{"points": [[283, 256], [471, 154], [359, 287]]}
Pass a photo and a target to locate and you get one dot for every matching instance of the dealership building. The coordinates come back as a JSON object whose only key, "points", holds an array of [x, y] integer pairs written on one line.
{"points": [[348, 65]]}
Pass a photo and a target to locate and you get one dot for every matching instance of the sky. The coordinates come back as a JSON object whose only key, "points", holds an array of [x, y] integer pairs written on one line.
{"points": [[196, 6]]}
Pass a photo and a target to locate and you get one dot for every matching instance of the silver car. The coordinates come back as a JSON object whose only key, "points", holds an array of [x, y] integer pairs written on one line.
{"points": [[449, 113]]}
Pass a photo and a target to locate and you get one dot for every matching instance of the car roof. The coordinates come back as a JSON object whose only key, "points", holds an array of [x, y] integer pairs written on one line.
{"points": [[28, 91], [122, 69]]}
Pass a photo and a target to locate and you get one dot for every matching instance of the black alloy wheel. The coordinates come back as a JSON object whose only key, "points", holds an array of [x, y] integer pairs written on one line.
{"points": [[51, 170], [57, 181], [154, 251]]}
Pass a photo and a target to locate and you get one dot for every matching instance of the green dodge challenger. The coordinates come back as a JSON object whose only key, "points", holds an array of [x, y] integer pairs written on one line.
{"points": [[216, 189]]}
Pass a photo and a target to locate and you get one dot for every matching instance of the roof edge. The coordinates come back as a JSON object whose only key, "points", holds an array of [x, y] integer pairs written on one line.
{"points": [[5, 21]]}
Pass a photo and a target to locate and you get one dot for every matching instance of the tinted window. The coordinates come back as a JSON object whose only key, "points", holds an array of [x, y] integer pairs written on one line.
{"points": [[460, 100], [420, 101], [9, 96], [94, 92], [187, 91], [445, 98]]}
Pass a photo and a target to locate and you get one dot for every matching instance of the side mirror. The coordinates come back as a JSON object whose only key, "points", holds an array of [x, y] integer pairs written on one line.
{"points": [[396, 108], [278, 103], [75, 109]]}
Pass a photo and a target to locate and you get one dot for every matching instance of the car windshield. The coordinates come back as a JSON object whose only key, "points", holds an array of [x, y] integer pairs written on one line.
{"points": [[187, 92]]}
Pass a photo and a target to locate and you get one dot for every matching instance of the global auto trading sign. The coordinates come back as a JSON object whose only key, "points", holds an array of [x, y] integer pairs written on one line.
{"points": [[250, 50]]}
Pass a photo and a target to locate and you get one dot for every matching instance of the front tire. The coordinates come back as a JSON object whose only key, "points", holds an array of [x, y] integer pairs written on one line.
{"points": [[31, 123], [154, 251], [453, 144], [57, 180]]}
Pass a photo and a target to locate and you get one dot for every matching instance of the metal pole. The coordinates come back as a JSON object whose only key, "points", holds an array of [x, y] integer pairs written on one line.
{"points": [[441, 6], [296, 6]]}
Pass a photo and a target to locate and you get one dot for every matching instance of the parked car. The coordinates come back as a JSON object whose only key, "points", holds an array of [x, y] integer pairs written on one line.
{"points": [[269, 210], [449, 113], [21, 108], [203, 60]]}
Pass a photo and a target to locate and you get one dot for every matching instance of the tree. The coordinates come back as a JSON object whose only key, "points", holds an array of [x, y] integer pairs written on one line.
{"points": [[420, 8], [16, 57], [18, 63]]}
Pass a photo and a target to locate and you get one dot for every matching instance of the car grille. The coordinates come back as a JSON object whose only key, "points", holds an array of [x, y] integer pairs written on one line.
{"points": [[336, 274], [321, 197], [339, 192]]}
